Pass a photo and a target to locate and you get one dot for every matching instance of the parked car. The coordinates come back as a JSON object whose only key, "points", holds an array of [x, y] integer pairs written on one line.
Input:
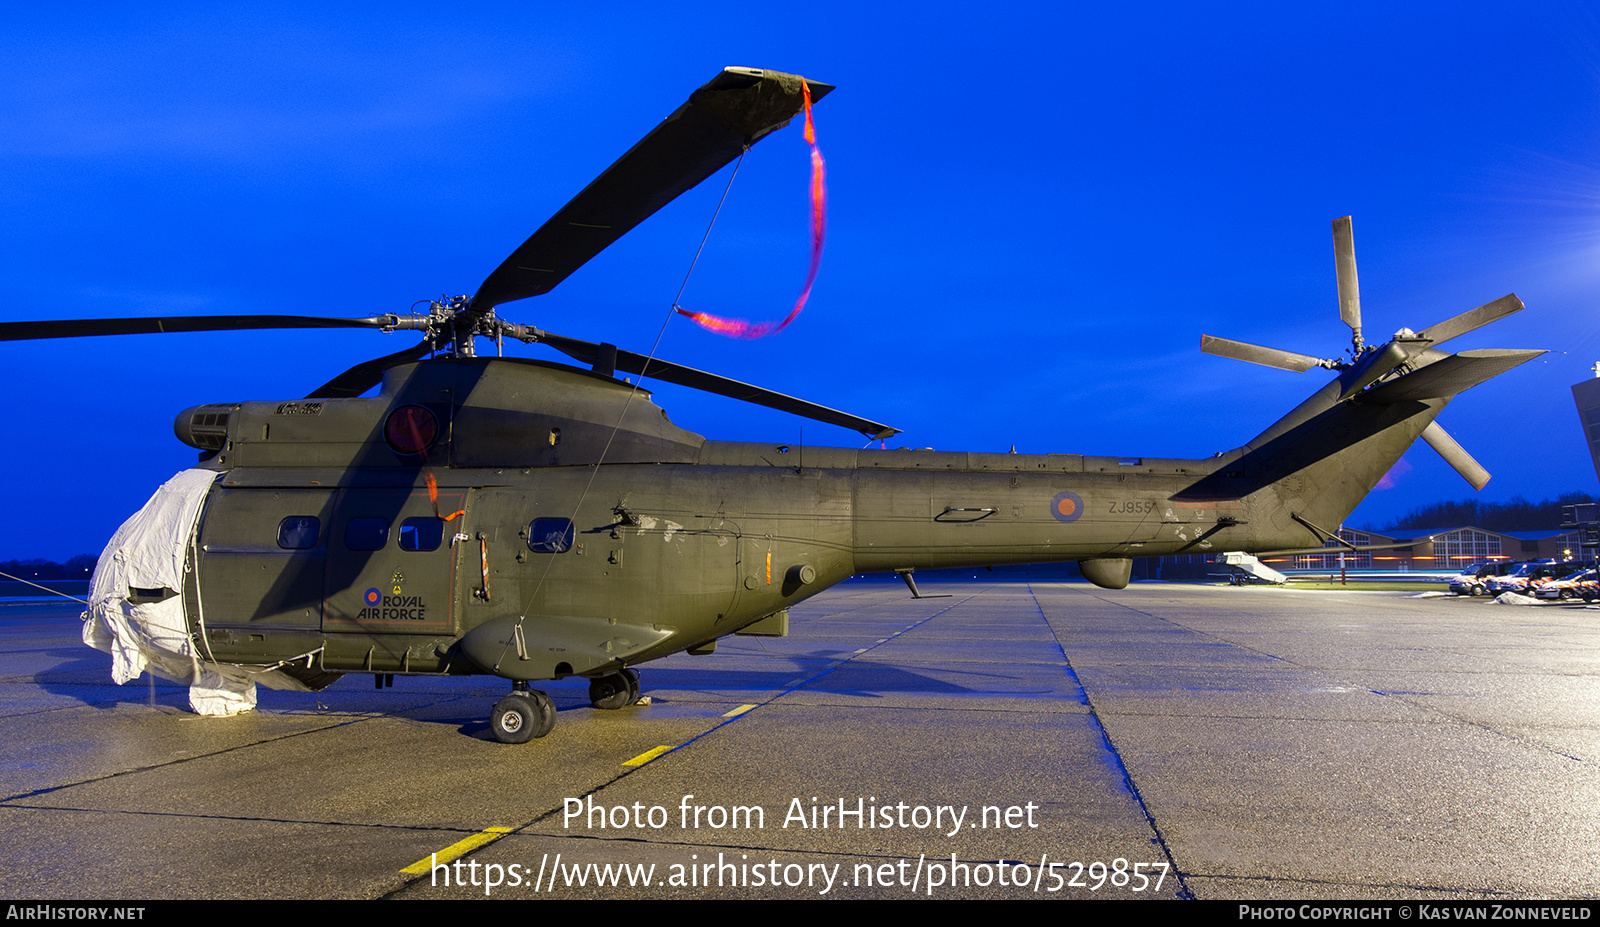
{"points": [[1584, 585], [1474, 579], [1525, 579]]}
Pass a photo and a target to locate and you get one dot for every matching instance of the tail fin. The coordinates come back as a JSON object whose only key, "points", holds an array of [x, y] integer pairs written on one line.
{"points": [[1309, 470], [1315, 464]]}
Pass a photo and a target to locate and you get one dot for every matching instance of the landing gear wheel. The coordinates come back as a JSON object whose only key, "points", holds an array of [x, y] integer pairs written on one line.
{"points": [[522, 716], [547, 712], [514, 719], [614, 690]]}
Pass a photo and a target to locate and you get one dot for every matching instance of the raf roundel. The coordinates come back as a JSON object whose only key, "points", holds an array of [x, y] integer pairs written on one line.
{"points": [[373, 597], [1066, 507]]}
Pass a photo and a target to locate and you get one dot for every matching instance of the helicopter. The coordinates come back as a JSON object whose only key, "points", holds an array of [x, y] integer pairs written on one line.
{"points": [[537, 521]]}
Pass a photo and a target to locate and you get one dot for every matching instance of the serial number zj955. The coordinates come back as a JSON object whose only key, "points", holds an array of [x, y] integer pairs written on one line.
{"points": [[1131, 507]]}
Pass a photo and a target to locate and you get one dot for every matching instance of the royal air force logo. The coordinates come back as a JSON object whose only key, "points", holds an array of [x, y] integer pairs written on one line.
{"points": [[380, 607]]}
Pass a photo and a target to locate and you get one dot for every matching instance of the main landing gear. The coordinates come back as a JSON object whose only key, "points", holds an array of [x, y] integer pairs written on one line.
{"points": [[614, 690], [528, 713], [523, 715]]}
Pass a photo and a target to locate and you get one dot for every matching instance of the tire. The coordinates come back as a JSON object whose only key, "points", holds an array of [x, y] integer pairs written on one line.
{"points": [[610, 692], [514, 719], [546, 710], [1475, 591], [522, 716]]}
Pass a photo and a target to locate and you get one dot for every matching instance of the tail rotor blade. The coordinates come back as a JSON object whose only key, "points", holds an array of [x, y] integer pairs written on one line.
{"points": [[1473, 319], [1344, 259], [1256, 354], [1455, 455]]}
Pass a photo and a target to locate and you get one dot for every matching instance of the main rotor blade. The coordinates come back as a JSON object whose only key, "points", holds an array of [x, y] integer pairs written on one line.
{"points": [[1344, 260], [83, 328], [1256, 354], [1473, 319], [733, 111], [365, 376], [628, 362], [1455, 455]]}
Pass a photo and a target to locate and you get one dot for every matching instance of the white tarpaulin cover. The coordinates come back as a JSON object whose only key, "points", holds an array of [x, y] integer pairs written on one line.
{"points": [[147, 554]]}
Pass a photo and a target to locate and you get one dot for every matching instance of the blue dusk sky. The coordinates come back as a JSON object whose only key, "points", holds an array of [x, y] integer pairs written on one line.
{"points": [[1036, 211]]}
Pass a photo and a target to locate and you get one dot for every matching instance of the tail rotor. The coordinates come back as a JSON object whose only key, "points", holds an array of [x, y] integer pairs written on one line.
{"points": [[1371, 366]]}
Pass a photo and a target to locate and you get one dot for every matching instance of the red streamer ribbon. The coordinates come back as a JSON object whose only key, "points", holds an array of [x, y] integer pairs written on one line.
{"points": [[427, 472], [739, 328], [433, 497]]}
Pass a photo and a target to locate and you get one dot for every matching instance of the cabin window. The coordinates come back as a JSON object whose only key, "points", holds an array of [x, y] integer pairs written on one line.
{"points": [[425, 533], [366, 533], [299, 532], [550, 535]]}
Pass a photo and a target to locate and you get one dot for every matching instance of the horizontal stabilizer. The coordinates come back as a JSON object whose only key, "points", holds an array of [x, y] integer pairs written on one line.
{"points": [[1449, 376]]}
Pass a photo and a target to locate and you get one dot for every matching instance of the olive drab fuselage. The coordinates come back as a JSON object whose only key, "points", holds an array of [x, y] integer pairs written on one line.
{"points": [[574, 529], [533, 520]]}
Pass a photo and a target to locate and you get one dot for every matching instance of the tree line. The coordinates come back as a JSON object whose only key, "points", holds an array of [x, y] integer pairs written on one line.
{"points": [[79, 567], [1518, 514]]}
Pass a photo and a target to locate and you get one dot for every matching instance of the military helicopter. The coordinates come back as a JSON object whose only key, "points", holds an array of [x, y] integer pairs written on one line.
{"points": [[536, 521]]}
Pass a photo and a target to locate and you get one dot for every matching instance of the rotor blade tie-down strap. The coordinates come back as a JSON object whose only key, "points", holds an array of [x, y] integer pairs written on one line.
{"points": [[739, 328]]}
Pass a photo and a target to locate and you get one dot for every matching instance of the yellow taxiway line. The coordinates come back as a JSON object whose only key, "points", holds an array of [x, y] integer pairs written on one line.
{"points": [[456, 850]]}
